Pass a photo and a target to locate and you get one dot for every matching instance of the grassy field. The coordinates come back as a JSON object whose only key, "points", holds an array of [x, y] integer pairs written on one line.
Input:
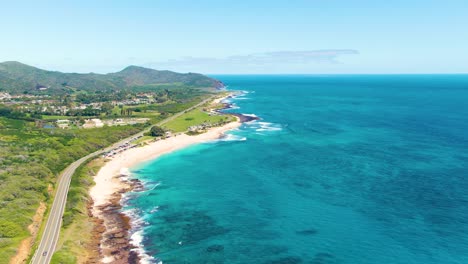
{"points": [[193, 118], [55, 117], [143, 139], [76, 230]]}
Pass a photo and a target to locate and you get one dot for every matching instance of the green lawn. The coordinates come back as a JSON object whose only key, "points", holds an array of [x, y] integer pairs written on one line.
{"points": [[143, 139], [54, 117], [145, 112], [193, 118]]}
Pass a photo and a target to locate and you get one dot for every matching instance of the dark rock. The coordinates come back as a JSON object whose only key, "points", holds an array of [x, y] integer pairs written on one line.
{"points": [[215, 248], [307, 232]]}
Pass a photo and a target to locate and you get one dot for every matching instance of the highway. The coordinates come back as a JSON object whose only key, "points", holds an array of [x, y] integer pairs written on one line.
{"points": [[51, 233]]}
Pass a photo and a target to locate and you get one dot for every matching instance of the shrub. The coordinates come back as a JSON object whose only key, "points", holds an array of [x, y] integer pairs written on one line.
{"points": [[9, 229], [157, 131]]}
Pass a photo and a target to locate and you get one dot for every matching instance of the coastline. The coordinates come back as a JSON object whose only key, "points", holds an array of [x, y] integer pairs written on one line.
{"points": [[113, 226]]}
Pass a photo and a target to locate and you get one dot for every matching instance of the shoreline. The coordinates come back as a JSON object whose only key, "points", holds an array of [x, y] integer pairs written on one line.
{"points": [[112, 231], [106, 181]]}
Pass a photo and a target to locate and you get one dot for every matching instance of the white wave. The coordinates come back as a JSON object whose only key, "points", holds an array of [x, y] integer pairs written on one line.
{"points": [[124, 172], [138, 219], [240, 94], [260, 126], [154, 210], [125, 198], [137, 223], [256, 123], [265, 126], [251, 115], [231, 137], [136, 239], [137, 234], [269, 129], [132, 213]]}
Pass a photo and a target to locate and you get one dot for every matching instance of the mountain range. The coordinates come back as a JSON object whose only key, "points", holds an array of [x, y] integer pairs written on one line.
{"points": [[16, 77]]}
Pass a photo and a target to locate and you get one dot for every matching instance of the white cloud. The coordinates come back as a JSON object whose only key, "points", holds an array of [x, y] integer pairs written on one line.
{"points": [[255, 62]]}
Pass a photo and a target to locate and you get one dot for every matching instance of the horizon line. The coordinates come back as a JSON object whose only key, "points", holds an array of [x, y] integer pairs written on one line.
{"points": [[426, 73], [298, 73]]}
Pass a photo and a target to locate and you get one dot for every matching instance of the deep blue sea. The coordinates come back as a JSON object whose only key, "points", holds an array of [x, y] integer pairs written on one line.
{"points": [[341, 169]]}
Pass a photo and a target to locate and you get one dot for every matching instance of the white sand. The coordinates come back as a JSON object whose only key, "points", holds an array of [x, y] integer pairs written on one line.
{"points": [[107, 181]]}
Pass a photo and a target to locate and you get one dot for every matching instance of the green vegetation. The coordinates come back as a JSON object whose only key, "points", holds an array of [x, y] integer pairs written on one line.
{"points": [[143, 139], [9, 229], [18, 78], [76, 229], [194, 118], [77, 198], [60, 257], [30, 160], [54, 117], [157, 131], [174, 107]]}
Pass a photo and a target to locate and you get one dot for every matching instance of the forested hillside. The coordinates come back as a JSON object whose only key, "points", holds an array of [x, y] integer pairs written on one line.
{"points": [[17, 78]]}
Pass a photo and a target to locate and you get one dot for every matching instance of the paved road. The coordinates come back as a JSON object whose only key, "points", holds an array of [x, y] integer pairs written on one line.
{"points": [[51, 233]]}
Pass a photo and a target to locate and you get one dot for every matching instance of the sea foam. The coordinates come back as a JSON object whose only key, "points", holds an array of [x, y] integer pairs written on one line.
{"points": [[136, 239], [138, 223], [251, 115], [232, 137], [261, 126]]}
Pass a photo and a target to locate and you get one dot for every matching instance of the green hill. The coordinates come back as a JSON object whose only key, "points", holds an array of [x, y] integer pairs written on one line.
{"points": [[16, 78]]}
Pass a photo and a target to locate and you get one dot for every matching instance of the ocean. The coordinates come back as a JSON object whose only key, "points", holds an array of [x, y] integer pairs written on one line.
{"points": [[349, 169]]}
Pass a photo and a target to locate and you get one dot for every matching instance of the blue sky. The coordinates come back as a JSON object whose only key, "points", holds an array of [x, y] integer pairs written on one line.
{"points": [[314, 36]]}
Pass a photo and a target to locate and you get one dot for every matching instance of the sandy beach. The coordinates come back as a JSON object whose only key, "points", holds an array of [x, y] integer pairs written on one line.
{"points": [[109, 186], [106, 181]]}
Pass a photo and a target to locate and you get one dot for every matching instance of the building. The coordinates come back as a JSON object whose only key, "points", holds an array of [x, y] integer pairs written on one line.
{"points": [[92, 123], [5, 96], [63, 123]]}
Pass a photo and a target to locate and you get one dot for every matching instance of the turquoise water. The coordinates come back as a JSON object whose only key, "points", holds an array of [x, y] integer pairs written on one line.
{"points": [[340, 169]]}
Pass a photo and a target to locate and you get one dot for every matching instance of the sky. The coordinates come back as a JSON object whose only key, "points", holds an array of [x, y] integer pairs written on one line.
{"points": [[238, 37]]}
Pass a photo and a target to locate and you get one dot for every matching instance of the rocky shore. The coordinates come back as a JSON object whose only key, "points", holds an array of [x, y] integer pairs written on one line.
{"points": [[110, 237], [243, 118]]}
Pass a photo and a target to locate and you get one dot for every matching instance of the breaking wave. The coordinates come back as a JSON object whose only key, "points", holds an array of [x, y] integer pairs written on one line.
{"points": [[231, 137], [260, 126]]}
